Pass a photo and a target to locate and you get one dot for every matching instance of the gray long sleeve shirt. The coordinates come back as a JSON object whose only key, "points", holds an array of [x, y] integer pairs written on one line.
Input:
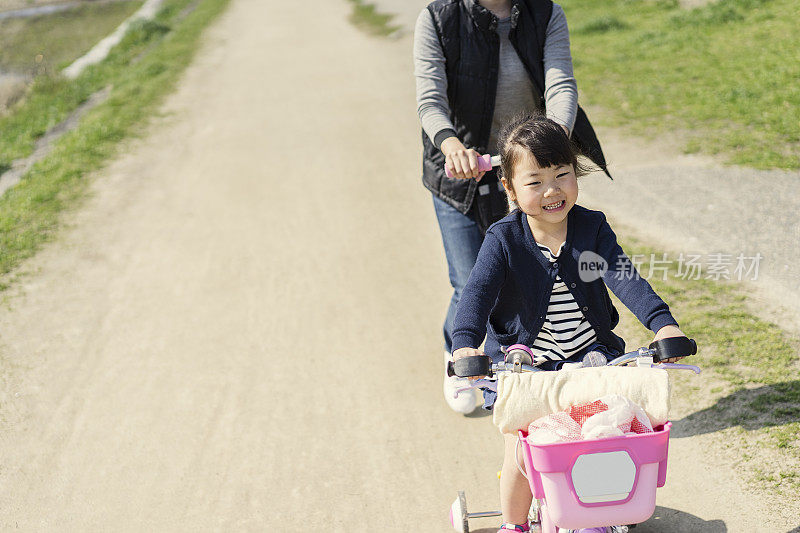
{"points": [[515, 91]]}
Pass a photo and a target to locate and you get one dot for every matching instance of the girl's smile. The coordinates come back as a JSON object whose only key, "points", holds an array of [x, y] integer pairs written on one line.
{"points": [[546, 194], [557, 206]]}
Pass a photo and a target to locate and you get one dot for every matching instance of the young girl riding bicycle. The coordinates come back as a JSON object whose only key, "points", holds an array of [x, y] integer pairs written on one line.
{"points": [[528, 287]]}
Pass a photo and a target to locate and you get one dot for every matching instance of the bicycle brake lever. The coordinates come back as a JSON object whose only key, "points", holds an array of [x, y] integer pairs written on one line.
{"points": [[478, 384], [678, 366]]}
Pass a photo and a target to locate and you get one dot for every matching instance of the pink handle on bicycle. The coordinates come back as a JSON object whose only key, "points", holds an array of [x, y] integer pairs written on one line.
{"points": [[484, 164]]}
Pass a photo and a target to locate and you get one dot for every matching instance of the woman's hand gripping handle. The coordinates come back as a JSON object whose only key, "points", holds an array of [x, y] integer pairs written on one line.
{"points": [[464, 163]]}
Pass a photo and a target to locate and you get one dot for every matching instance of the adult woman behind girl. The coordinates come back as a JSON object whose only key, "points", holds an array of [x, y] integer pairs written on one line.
{"points": [[478, 63]]}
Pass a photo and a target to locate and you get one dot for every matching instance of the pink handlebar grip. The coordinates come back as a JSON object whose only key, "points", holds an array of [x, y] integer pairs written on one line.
{"points": [[484, 164]]}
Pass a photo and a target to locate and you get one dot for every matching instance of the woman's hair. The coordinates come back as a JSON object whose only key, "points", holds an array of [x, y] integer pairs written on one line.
{"points": [[543, 138]]}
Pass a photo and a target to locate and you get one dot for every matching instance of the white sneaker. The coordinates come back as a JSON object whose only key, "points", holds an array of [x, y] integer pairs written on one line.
{"points": [[466, 401]]}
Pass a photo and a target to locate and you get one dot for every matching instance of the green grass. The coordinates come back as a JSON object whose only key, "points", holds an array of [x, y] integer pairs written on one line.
{"points": [[724, 75], [366, 17], [50, 42], [142, 69], [754, 367]]}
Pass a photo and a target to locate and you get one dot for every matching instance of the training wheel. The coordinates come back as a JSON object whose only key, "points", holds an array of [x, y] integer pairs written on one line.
{"points": [[458, 514], [533, 517]]}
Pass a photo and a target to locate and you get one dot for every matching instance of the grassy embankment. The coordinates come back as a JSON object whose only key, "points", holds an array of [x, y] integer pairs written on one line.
{"points": [[47, 43], [720, 78], [369, 19], [141, 70]]}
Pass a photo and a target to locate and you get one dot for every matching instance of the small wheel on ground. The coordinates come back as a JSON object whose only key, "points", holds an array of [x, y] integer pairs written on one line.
{"points": [[533, 512], [458, 514]]}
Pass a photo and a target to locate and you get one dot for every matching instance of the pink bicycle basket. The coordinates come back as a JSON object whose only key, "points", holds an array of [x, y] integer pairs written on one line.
{"points": [[600, 482]]}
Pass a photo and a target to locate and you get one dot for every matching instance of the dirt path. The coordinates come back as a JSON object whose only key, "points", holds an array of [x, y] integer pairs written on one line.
{"points": [[239, 331]]}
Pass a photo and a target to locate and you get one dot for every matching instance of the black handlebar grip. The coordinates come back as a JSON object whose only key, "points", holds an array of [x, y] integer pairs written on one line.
{"points": [[673, 347], [477, 365]]}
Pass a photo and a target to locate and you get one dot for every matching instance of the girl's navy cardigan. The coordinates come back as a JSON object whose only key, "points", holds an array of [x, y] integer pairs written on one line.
{"points": [[511, 282]]}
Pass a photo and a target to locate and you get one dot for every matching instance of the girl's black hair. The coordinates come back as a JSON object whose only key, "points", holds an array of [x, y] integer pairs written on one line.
{"points": [[545, 139]]}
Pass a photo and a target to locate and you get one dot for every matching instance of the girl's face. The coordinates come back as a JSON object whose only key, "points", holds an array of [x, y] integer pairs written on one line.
{"points": [[544, 194]]}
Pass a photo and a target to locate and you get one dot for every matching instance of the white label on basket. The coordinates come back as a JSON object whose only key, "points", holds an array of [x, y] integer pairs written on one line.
{"points": [[603, 477]]}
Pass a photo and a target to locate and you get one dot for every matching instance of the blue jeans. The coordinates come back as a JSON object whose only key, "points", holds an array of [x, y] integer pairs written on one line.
{"points": [[462, 239]]}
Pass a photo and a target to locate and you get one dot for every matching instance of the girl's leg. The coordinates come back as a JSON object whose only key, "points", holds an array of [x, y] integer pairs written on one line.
{"points": [[515, 493]]}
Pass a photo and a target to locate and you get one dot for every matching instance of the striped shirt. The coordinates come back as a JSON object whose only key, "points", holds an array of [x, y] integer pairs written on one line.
{"points": [[565, 331]]}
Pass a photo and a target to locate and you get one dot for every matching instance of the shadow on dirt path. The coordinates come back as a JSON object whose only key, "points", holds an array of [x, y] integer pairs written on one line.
{"points": [[750, 409], [666, 520]]}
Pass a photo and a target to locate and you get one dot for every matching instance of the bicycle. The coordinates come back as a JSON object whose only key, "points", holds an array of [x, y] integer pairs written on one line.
{"points": [[589, 485]]}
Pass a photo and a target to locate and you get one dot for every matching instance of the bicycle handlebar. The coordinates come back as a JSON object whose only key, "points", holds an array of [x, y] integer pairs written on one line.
{"points": [[481, 365]]}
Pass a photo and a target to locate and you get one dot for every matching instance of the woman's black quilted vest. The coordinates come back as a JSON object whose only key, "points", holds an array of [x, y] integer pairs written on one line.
{"points": [[471, 49]]}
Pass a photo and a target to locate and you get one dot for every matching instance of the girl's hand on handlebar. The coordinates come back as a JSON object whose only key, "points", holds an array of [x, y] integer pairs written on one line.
{"points": [[466, 352], [665, 333], [462, 161]]}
